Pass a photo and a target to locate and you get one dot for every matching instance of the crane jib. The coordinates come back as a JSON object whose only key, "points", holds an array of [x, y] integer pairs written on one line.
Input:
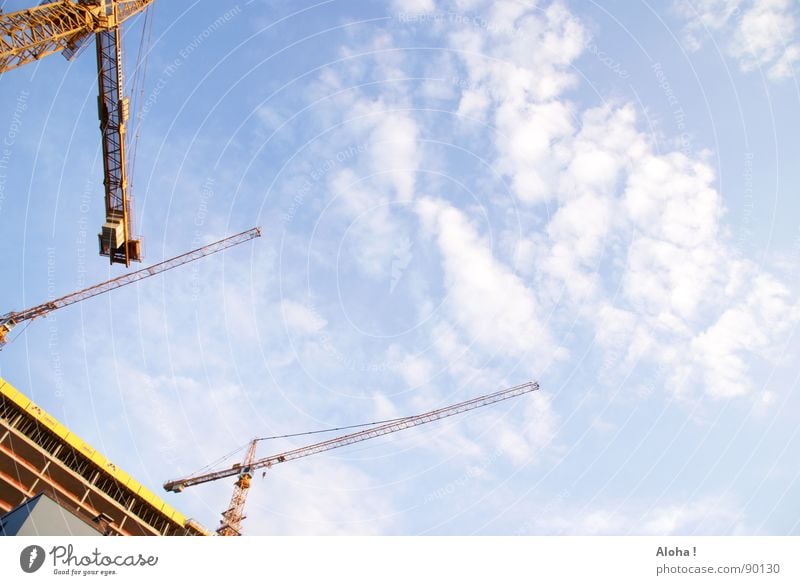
{"points": [[9, 320]]}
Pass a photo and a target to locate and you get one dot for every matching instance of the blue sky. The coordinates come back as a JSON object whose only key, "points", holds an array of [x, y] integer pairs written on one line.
{"points": [[456, 196]]}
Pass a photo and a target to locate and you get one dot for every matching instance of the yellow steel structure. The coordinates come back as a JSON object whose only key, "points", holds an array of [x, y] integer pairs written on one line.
{"points": [[30, 438], [63, 26], [30, 34], [231, 524]]}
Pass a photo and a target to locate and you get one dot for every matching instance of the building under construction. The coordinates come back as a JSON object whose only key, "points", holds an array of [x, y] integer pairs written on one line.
{"points": [[39, 455]]}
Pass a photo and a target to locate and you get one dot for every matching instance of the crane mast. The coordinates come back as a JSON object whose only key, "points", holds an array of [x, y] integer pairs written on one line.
{"points": [[231, 524], [115, 238], [233, 516], [10, 320], [63, 26]]}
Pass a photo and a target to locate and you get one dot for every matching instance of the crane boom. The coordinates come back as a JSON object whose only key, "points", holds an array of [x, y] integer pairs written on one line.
{"points": [[30, 34], [9, 320], [178, 485]]}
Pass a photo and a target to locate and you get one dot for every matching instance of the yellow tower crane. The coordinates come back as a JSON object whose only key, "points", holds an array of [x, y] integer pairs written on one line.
{"points": [[64, 26], [231, 523], [10, 320]]}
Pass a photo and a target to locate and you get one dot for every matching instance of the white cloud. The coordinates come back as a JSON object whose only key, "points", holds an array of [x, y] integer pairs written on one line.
{"points": [[634, 236], [323, 497], [654, 222], [394, 152], [673, 199], [751, 327], [783, 68], [706, 312], [759, 33], [373, 228], [474, 104], [490, 303], [540, 426], [709, 312], [519, 61], [354, 197], [414, 6], [416, 371], [461, 361], [376, 154], [270, 118], [577, 242], [529, 134], [301, 319], [705, 516]]}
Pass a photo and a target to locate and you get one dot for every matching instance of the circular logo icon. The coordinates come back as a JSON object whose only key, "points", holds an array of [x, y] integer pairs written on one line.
{"points": [[31, 558]]}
